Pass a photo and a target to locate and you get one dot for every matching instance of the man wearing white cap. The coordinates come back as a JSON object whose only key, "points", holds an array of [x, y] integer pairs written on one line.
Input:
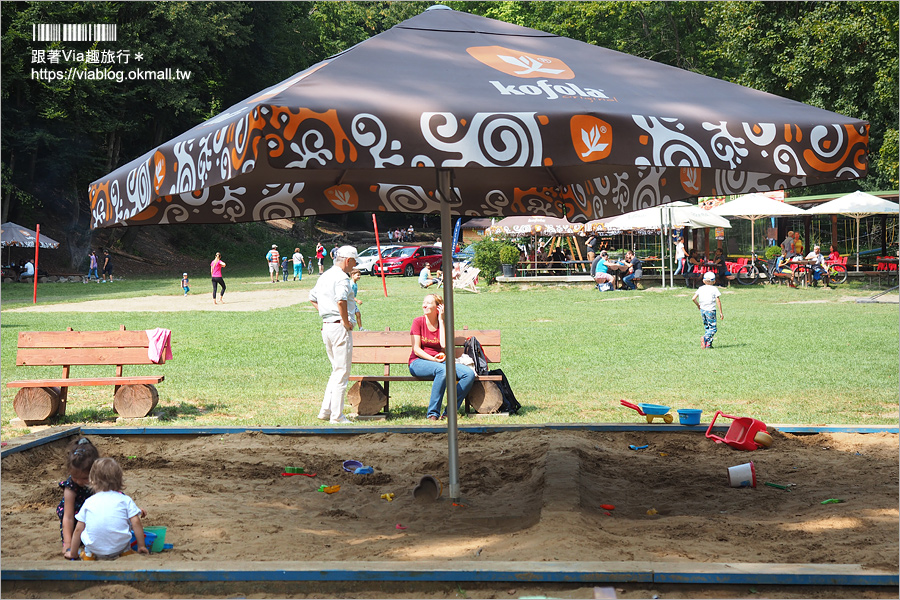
{"points": [[330, 296], [274, 259]]}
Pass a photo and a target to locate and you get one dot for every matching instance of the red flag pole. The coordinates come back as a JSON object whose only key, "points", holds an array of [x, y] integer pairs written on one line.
{"points": [[378, 260], [37, 247]]}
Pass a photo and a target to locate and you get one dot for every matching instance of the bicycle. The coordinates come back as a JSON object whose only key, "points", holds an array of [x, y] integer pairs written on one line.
{"points": [[749, 274], [837, 273]]}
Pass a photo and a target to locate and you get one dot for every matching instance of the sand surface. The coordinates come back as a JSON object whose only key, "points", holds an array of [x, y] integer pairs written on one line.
{"points": [[533, 495]]}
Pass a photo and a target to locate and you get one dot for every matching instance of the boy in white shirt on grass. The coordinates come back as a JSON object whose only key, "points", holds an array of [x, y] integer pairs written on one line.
{"points": [[707, 298]]}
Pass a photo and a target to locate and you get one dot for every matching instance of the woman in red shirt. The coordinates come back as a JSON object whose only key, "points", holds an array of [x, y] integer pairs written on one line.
{"points": [[427, 357]]}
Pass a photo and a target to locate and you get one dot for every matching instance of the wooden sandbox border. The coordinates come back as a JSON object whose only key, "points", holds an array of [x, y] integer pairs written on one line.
{"points": [[583, 572]]}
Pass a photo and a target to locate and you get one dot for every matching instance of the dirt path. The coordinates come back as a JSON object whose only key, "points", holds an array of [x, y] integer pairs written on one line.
{"points": [[271, 296]]}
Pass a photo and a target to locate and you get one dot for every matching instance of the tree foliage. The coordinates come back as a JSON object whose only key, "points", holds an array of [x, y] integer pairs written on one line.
{"points": [[58, 136]]}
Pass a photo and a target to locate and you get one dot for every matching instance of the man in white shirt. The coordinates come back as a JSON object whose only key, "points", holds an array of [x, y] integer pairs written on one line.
{"points": [[819, 270], [331, 296], [28, 273]]}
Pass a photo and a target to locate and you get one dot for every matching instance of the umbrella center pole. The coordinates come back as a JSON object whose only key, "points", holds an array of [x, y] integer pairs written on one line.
{"points": [[445, 191]]}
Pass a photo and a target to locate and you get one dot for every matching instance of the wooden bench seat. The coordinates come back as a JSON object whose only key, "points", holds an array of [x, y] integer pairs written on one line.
{"points": [[39, 399], [388, 348]]}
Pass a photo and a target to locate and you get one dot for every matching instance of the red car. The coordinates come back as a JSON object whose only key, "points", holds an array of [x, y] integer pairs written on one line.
{"points": [[409, 260]]}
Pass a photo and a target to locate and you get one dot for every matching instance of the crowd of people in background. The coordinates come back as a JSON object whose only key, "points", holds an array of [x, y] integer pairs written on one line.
{"points": [[398, 235]]}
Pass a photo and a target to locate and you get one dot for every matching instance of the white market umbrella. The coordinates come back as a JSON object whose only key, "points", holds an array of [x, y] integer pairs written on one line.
{"points": [[682, 215], [756, 206], [856, 205], [672, 215]]}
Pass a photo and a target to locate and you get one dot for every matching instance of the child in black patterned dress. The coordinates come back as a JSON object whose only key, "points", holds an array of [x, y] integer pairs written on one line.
{"points": [[80, 457]]}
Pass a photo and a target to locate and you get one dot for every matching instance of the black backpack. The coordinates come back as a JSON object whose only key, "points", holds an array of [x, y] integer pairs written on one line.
{"points": [[473, 349], [510, 404]]}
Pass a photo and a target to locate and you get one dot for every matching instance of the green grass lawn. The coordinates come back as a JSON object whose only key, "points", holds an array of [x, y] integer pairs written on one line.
{"points": [[571, 353]]}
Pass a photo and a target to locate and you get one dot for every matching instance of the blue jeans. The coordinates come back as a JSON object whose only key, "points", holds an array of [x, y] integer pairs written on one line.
{"points": [[628, 280], [428, 369], [709, 325], [92, 273]]}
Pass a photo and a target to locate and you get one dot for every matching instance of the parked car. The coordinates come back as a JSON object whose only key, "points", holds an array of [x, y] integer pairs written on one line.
{"points": [[467, 254], [368, 257], [409, 260]]}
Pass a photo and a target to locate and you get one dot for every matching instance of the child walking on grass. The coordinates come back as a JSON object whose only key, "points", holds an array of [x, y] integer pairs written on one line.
{"points": [[353, 305], [707, 298], [185, 283], [80, 457], [107, 519]]}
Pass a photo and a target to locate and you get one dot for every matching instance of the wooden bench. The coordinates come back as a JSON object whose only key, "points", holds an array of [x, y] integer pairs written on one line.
{"points": [[388, 348], [40, 399]]}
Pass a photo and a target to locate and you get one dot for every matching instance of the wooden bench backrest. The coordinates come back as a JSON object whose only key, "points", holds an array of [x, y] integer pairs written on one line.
{"points": [[394, 347], [40, 348]]}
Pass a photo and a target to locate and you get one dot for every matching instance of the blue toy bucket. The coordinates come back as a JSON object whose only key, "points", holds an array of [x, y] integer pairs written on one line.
{"points": [[689, 416], [149, 538]]}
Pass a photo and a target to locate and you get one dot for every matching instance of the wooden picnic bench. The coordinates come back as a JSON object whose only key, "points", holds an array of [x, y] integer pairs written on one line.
{"points": [[40, 399], [388, 348]]}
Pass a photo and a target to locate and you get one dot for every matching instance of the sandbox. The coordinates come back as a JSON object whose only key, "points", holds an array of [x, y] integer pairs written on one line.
{"points": [[535, 508]]}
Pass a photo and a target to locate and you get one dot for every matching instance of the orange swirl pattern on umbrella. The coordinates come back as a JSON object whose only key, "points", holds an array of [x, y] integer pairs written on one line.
{"points": [[532, 124]]}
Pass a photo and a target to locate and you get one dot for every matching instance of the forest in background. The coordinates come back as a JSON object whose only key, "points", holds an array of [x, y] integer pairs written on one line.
{"points": [[59, 136]]}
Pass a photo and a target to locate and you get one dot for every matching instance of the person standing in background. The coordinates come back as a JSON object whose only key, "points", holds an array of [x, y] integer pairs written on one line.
{"points": [[92, 270], [298, 261], [215, 270], [107, 265], [274, 259]]}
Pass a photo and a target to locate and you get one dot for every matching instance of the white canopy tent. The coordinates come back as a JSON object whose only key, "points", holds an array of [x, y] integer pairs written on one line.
{"points": [[756, 206], [674, 215], [856, 205]]}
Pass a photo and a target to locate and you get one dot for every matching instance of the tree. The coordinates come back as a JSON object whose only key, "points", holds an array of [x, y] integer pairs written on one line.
{"points": [[840, 56]]}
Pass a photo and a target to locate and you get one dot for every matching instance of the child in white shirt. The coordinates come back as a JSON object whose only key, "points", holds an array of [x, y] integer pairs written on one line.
{"points": [[707, 298], [107, 518]]}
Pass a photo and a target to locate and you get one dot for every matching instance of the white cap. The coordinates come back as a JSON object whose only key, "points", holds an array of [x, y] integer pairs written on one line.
{"points": [[709, 276], [184, 274], [346, 252], [274, 246]]}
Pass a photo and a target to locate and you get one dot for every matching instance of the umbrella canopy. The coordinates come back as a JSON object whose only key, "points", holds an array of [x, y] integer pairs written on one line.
{"points": [[856, 205], [451, 111], [534, 225], [16, 235], [657, 217], [756, 206], [528, 122]]}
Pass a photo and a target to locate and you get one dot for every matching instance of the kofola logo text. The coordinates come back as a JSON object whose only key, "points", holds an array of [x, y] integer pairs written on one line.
{"points": [[527, 65]]}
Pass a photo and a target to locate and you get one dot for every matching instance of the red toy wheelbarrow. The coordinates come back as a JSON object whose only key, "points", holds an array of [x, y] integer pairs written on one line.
{"points": [[745, 433], [650, 411]]}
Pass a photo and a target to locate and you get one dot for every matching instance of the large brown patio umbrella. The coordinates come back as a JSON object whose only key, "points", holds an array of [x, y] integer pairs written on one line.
{"points": [[453, 112]]}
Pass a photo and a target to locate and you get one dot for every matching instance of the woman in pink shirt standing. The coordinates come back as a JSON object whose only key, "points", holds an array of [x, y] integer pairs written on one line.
{"points": [[215, 269]]}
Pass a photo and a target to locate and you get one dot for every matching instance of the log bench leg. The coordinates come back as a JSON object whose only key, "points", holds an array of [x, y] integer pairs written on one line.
{"points": [[485, 397], [366, 398], [36, 405], [134, 401]]}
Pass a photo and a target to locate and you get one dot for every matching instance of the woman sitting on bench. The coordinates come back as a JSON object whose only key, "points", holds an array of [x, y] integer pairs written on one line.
{"points": [[427, 357]]}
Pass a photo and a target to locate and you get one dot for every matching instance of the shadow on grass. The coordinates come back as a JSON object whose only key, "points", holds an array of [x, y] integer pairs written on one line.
{"points": [[182, 410], [86, 415], [407, 411]]}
